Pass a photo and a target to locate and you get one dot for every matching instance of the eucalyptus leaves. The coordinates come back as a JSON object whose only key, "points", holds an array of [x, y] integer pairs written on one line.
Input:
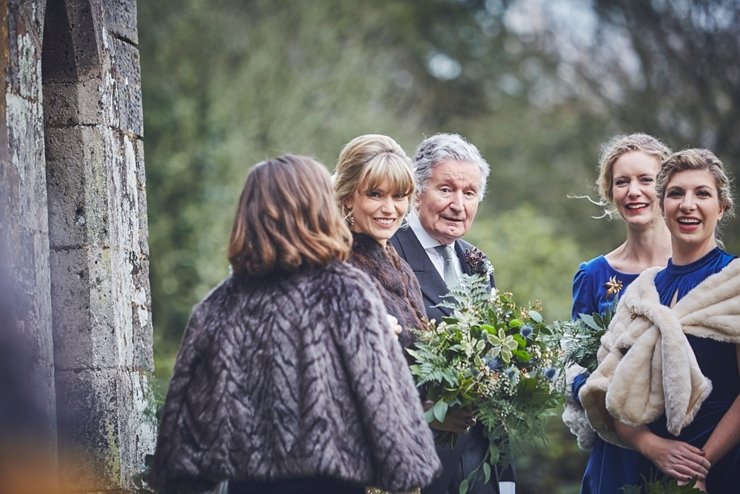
{"points": [[581, 338]]}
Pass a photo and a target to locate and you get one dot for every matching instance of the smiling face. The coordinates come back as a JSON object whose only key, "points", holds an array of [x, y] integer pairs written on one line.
{"points": [[449, 201], [378, 211], [691, 209], [633, 188]]}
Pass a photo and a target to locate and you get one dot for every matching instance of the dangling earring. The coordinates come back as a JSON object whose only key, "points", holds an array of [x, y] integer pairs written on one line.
{"points": [[350, 218]]}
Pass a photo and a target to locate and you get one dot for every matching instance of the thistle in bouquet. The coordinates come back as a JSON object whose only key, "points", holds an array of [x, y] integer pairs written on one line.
{"points": [[494, 357]]}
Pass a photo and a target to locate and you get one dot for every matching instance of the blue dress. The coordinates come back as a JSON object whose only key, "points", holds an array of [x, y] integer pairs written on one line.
{"points": [[609, 467], [717, 361]]}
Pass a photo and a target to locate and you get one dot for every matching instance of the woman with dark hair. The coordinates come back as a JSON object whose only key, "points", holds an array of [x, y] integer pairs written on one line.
{"points": [[288, 378], [668, 378]]}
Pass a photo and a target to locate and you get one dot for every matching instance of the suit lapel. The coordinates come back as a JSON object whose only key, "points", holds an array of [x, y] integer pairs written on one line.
{"points": [[460, 248], [432, 285]]}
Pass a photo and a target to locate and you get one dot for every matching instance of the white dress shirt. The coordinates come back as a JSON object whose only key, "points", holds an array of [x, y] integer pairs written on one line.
{"points": [[429, 244]]}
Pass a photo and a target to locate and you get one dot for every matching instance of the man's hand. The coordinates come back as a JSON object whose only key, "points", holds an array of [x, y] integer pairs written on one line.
{"points": [[457, 420]]}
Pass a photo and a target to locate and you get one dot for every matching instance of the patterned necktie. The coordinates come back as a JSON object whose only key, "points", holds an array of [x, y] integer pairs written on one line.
{"points": [[450, 274]]}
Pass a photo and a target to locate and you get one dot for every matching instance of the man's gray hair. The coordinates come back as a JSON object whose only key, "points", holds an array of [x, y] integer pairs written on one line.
{"points": [[447, 147]]}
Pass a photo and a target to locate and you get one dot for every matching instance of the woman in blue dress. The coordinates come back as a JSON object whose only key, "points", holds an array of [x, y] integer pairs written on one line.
{"points": [[695, 197], [628, 168]]}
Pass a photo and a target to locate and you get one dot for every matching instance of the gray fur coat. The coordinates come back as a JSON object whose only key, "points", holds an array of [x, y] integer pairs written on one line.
{"points": [[292, 376]]}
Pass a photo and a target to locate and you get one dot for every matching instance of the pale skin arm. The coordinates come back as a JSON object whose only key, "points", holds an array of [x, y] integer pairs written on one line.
{"points": [[727, 433]]}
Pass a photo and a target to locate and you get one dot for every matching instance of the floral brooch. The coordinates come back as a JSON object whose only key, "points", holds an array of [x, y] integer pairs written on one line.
{"points": [[478, 261], [613, 286]]}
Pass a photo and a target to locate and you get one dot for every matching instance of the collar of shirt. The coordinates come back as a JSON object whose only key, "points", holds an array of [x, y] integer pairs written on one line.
{"points": [[429, 244]]}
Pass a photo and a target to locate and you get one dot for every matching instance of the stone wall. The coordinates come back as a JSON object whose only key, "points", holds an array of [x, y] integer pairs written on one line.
{"points": [[73, 168], [24, 243]]}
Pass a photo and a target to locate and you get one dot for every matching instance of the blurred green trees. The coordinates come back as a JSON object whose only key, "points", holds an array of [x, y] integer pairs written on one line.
{"points": [[537, 85]]}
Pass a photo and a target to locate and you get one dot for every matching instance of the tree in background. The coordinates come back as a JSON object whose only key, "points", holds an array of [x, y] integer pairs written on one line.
{"points": [[228, 84], [666, 68]]}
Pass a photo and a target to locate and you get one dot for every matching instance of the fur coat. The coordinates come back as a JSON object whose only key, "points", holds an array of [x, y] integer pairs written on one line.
{"points": [[646, 364], [291, 376], [395, 281]]}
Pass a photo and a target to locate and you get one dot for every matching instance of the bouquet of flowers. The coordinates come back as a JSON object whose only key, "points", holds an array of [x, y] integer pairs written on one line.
{"points": [[494, 357]]}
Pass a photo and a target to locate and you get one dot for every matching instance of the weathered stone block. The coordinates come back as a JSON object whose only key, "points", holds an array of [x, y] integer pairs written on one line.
{"points": [[126, 72], [82, 309], [141, 187], [74, 103], [138, 425], [141, 308], [25, 134], [88, 416], [77, 187], [107, 419], [120, 17], [24, 69]]}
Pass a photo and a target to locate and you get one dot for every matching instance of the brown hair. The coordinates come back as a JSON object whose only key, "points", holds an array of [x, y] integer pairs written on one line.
{"points": [[367, 161], [286, 219]]}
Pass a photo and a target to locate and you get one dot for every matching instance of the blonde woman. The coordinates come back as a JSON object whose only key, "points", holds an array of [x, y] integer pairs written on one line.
{"points": [[374, 187], [628, 169]]}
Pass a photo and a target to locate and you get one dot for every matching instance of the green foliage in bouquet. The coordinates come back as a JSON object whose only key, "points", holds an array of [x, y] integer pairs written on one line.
{"points": [[581, 338], [661, 486], [494, 357]]}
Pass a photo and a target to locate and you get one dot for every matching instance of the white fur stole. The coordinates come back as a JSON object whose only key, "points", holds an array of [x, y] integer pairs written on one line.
{"points": [[646, 364]]}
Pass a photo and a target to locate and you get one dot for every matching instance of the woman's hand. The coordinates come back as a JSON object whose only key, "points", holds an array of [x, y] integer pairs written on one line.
{"points": [[678, 459], [395, 327], [457, 420]]}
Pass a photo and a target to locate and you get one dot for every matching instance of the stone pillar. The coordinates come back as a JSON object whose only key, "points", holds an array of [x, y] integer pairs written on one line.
{"points": [[100, 295], [24, 231]]}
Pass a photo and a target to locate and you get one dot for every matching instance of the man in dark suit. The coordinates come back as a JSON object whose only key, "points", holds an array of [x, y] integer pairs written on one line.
{"points": [[450, 176]]}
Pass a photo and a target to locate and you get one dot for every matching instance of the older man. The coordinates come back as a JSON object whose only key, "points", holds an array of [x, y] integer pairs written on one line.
{"points": [[451, 178]]}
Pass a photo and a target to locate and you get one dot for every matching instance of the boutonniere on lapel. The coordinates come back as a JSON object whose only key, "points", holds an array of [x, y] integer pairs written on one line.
{"points": [[478, 261]]}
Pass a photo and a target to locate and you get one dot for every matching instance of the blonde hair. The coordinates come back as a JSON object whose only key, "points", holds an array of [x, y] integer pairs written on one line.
{"points": [[368, 161], [286, 219], [620, 145]]}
